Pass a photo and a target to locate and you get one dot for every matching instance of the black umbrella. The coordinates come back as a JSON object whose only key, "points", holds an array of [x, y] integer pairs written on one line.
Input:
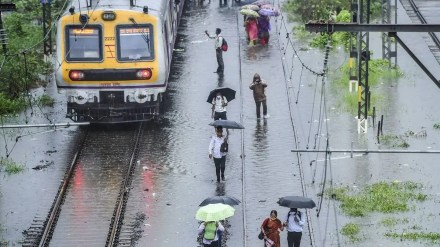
{"points": [[296, 202], [225, 91], [229, 200], [227, 124]]}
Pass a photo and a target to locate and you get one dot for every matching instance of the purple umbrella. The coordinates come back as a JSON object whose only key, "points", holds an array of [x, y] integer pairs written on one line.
{"points": [[269, 12]]}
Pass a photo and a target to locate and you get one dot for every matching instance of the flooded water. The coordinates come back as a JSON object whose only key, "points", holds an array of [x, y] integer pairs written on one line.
{"points": [[174, 174]]}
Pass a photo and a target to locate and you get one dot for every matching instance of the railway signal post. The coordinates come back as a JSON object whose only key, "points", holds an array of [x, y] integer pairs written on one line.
{"points": [[3, 39]]}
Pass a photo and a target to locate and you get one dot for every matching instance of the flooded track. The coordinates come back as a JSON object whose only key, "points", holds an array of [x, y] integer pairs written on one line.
{"points": [[93, 217], [425, 12]]}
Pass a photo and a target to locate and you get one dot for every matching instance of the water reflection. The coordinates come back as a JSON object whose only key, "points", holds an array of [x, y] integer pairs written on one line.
{"points": [[220, 80], [260, 141]]}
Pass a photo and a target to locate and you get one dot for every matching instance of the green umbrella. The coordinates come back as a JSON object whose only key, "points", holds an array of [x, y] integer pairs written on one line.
{"points": [[214, 212]]}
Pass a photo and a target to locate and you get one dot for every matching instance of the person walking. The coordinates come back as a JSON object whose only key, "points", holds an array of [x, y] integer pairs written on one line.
{"points": [[211, 231], [219, 104], [271, 228], [215, 152], [294, 225], [218, 50], [251, 28], [258, 86], [263, 29]]}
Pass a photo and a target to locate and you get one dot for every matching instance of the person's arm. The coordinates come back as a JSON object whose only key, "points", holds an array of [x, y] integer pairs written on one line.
{"points": [[220, 227], [211, 147], [201, 228], [263, 82], [209, 36], [252, 86], [220, 42], [225, 101], [262, 227], [301, 220], [281, 226]]}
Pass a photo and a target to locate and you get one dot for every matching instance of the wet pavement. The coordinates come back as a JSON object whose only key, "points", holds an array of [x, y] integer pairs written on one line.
{"points": [[174, 173]]}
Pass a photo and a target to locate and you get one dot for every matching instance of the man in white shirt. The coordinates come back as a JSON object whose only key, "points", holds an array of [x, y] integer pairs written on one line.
{"points": [[218, 50], [219, 104], [294, 224], [214, 152]]}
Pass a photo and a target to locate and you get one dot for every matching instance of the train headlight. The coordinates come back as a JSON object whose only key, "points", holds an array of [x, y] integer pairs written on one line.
{"points": [[76, 75], [144, 74], [141, 96]]}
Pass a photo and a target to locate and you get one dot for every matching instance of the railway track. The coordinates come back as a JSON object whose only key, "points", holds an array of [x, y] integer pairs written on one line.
{"points": [[419, 11], [83, 217]]}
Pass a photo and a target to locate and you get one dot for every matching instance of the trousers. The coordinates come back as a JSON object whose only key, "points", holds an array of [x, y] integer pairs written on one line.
{"points": [[221, 65], [293, 239], [220, 167], [218, 115], [258, 104]]}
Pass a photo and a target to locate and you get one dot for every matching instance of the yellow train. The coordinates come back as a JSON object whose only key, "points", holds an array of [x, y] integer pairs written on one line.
{"points": [[114, 58]]}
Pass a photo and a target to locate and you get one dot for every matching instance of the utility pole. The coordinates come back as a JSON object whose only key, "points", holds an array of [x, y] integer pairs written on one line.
{"points": [[363, 48], [389, 50], [353, 63], [47, 22], [3, 39]]}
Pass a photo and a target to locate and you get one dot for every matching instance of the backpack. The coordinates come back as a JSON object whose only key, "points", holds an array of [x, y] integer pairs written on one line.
{"points": [[210, 230], [224, 147], [288, 214], [224, 45]]}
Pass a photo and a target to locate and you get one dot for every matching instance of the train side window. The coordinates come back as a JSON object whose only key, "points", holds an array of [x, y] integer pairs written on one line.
{"points": [[135, 42], [83, 44]]}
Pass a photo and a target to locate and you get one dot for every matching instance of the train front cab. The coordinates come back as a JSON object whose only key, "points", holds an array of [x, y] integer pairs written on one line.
{"points": [[113, 70]]}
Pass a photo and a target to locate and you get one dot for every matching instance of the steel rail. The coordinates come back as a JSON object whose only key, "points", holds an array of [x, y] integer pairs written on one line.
{"points": [[243, 156], [366, 151], [11, 126], [423, 20], [56, 208], [118, 215]]}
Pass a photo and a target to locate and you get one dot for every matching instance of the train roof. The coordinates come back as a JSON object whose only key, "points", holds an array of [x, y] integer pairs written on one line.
{"points": [[156, 7]]}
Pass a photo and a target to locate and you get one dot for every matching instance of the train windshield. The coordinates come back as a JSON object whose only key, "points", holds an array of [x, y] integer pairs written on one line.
{"points": [[83, 44], [135, 42]]}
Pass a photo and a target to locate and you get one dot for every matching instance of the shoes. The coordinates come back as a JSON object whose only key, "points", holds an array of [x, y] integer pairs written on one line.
{"points": [[223, 178], [218, 180], [266, 116]]}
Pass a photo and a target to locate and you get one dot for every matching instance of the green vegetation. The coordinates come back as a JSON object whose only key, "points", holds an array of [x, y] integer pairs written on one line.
{"points": [[20, 70], [307, 10], [379, 72], [351, 231], [379, 197], [433, 237], [10, 166], [45, 100], [437, 126], [394, 141]]}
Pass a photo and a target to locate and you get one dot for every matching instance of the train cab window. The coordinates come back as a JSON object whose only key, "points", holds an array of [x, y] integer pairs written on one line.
{"points": [[83, 44], [135, 42]]}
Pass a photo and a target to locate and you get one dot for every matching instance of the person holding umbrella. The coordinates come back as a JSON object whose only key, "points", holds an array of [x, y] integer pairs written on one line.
{"points": [[214, 151], [295, 219], [294, 224], [211, 231], [219, 104]]}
